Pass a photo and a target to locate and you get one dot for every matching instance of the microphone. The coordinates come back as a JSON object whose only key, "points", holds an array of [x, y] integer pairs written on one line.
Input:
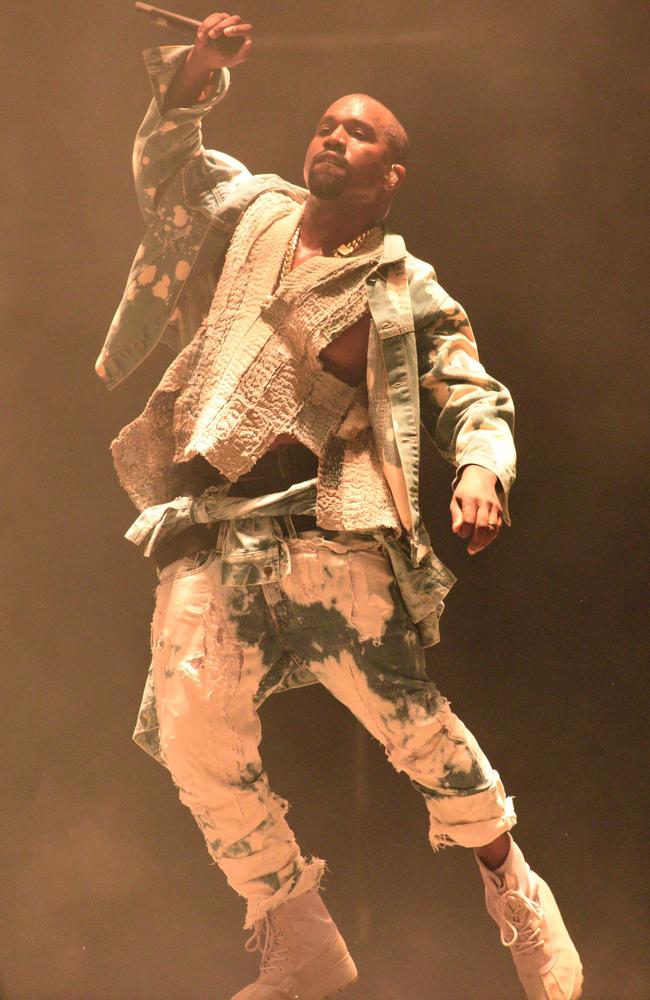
{"points": [[228, 44]]}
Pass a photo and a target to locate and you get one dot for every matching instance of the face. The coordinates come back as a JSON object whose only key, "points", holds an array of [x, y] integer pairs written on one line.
{"points": [[349, 157]]}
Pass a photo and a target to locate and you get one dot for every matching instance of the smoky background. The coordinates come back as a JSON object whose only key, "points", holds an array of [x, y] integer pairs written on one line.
{"points": [[529, 140]]}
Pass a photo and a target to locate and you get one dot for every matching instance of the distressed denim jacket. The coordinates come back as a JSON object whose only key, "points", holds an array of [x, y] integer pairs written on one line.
{"points": [[421, 340]]}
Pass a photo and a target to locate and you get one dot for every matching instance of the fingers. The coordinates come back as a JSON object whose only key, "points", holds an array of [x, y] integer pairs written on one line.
{"points": [[222, 24], [214, 20], [463, 516], [229, 28], [479, 522], [486, 528], [456, 515], [211, 23], [224, 27]]}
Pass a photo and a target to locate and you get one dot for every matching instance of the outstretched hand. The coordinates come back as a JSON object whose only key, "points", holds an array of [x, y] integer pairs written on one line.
{"points": [[205, 56], [476, 512]]}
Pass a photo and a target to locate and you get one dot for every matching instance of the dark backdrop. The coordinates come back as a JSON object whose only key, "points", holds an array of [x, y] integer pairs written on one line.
{"points": [[527, 129]]}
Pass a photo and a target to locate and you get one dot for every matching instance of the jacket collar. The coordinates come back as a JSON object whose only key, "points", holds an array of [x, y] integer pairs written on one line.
{"points": [[394, 249]]}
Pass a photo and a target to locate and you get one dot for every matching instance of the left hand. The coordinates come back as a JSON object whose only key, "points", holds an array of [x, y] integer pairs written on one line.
{"points": [[476, 512]]}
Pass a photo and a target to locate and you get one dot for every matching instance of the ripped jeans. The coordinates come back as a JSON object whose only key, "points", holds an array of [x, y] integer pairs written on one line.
{"points": [[337, 618]]}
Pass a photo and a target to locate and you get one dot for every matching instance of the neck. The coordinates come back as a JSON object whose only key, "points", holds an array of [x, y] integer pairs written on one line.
{"points": [[325, 225]]}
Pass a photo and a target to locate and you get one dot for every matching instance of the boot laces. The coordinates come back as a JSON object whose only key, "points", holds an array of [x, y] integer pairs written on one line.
{"points": [[520, 917], [271, 942]]}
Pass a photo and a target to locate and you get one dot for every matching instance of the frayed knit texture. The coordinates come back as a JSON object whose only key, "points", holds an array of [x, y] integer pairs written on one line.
{"points": [[253, 372]]}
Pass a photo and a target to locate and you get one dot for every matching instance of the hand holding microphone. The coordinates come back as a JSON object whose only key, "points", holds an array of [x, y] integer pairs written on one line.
{"points": [[215, 36], [221, 40]]}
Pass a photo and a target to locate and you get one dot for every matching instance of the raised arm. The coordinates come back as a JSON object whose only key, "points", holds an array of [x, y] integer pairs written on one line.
{"points": [[470, 418], [180, 186], [169, 160]]}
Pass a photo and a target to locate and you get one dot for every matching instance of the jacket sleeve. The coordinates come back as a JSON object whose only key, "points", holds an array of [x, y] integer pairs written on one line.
{"points": [[467, 413], [170, 165]]}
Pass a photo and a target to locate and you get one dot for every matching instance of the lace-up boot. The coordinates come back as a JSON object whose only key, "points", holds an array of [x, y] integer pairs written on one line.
{"points": [[523, 907], [304, 956]]}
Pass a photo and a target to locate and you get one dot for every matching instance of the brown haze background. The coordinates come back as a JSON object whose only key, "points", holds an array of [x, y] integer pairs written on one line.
{"points": [[527, 126]]}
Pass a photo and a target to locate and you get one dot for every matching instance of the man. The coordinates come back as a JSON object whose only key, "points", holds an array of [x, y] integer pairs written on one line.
{"points": [[310, 347]]}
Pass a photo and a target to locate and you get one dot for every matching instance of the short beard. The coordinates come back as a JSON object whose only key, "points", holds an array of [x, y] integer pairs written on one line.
{"points": [[326, 186]]}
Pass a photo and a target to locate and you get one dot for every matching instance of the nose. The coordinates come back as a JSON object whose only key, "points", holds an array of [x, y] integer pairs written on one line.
{"points": [[336, 139]]}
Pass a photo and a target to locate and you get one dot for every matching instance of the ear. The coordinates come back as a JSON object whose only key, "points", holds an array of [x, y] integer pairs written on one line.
{"points": [[395, 176]]}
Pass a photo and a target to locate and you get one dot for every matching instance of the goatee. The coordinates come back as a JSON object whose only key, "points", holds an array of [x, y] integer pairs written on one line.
{"points": [[327, 186]]}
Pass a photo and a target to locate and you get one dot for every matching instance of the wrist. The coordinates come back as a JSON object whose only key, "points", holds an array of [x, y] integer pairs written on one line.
{"points": [[191, 84], [193, 75], [194, 72], [480, 470]]}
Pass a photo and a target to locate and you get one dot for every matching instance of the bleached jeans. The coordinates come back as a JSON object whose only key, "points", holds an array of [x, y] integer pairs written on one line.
{"points": [[337, 618]]}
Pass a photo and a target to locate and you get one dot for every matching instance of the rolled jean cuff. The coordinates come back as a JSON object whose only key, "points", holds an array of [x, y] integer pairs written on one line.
{"points": [[308, 876], [470, 820]]}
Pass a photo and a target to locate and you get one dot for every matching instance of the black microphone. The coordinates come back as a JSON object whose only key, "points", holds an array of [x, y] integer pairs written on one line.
{"points": [[228, 44]]}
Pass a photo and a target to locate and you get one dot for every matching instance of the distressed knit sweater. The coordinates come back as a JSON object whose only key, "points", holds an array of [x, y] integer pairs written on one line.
{"points": [[253, 372]]}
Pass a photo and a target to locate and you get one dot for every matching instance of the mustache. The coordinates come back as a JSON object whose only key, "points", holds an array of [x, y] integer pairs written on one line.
{"points": [[329, 157]]}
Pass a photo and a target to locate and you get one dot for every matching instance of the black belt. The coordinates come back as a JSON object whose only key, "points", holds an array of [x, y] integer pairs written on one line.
{"points": [[277, 470]]}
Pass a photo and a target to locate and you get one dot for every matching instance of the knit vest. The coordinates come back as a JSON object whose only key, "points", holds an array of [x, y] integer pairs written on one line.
{"points": [[253, 372]]}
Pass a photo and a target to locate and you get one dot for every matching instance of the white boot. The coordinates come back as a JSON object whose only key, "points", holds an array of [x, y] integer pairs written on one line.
{"points": [[304, 956], [523, 907]]}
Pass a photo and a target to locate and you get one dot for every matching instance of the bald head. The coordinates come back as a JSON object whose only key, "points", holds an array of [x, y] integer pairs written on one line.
{"points": [[390, 127]]}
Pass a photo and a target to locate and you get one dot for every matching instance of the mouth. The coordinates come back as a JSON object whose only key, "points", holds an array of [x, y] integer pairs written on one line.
{"points": [[332, 159]]}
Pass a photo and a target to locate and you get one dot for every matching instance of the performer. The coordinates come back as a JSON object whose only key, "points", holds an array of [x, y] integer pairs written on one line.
{"points": [[276, 470]]}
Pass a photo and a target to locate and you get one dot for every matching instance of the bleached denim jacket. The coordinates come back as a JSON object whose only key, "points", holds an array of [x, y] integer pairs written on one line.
{"points": [[192, 199]]}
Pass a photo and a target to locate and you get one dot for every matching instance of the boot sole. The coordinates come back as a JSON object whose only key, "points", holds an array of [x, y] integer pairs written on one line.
{"points": [[324, 996], [341, 989]]}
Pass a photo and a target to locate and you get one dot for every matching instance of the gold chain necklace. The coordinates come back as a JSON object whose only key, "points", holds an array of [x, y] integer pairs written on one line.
{"points": [[344, 250]]}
